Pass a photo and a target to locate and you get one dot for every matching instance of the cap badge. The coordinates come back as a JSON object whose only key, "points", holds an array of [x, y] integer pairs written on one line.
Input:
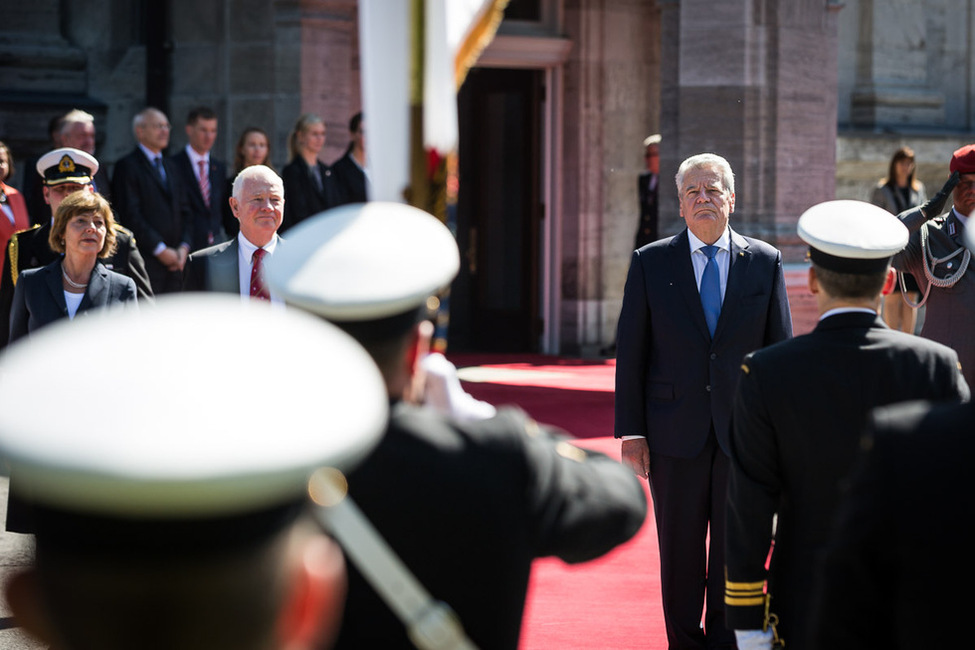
{"points": [[66, 164]]}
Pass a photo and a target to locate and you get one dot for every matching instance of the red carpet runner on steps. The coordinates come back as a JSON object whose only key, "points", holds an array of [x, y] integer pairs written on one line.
{"points": [[612, 602]]}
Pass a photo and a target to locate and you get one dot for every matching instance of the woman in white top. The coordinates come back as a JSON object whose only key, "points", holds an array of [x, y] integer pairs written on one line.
{"points": [[84, 231]]}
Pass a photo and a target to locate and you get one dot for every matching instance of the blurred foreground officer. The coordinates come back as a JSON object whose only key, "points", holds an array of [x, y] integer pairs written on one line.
{"points": [[196, 536], [466, 506], [799, 412], [63, 172], [903, 535]]}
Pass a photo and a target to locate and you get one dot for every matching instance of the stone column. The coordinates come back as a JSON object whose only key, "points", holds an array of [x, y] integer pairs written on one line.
{"points": [[756, 83]]}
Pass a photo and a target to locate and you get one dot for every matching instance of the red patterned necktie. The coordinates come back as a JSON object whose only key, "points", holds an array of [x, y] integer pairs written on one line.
{"points": [[204, 182], [258, 288]]}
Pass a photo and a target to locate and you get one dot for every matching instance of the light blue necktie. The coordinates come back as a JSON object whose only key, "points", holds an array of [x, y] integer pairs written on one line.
{"points": [[711, 289]]}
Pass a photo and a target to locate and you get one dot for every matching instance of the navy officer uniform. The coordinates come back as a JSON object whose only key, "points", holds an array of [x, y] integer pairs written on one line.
{"points": [[799, 410], [29, 249], [467, 506]]}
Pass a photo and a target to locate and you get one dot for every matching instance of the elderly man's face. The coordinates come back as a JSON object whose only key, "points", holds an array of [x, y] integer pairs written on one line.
{"points": [[154, 132], [80, 136], [963, 195], [705, 203], [259, 209]]}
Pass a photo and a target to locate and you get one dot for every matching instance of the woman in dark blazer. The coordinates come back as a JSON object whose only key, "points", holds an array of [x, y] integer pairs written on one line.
{"points": [[308, 184], [84, 231]]}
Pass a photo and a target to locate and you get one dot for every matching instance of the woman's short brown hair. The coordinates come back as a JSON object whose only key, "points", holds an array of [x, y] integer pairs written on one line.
{"points": [[78, 203]]}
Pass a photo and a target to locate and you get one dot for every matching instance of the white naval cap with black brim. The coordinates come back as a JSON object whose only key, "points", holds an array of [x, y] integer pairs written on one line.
{"points": [[185, 457], [368, 267], [849, 236]]}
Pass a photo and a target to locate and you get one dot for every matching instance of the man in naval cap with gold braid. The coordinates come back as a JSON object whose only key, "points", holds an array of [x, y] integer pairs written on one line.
{"points": [[800, 408]]}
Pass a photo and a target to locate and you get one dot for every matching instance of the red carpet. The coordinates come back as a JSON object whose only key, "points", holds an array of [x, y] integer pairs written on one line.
{"points": [[612, 602]]}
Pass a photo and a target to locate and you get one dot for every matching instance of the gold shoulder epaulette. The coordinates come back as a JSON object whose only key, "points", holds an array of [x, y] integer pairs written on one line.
{"points": [[745, 369], [13, 252]]}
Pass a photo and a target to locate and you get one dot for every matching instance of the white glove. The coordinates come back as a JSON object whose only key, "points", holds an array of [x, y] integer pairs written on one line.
{"points": [[754, 639], [443, 391]]}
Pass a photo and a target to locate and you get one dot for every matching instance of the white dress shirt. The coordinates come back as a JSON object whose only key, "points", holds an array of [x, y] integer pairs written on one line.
{"points": [[245, 264]]}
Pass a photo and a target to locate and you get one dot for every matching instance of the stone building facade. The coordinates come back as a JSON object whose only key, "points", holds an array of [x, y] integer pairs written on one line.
{"points": [[807, 99]]}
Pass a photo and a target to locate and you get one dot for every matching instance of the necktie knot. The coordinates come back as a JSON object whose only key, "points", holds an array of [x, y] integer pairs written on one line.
{"points": [[710, 251]]}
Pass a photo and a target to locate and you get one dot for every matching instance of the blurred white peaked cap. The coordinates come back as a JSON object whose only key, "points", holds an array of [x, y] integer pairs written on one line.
{"points": [[364, 261], [201, 406]]}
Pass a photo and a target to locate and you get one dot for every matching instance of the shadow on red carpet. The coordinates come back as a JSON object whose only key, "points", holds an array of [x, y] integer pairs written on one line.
{"points": [[613, 601]]}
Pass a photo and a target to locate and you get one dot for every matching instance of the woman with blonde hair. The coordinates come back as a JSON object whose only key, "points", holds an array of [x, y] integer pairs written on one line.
{"points": [[83, 232], [308, 184], [897, 192]]}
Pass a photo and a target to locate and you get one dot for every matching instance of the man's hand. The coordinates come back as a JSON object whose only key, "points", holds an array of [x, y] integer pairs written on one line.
{"points": [[169, 258], [636, 456], [181, 254], [754, 639], [933, 206]]}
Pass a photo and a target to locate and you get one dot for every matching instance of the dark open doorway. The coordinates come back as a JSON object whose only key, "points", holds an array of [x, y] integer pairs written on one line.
{"points": [[495, 301]]}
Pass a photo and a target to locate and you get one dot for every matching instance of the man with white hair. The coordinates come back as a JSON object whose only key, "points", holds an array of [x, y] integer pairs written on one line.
{"points": [[236, 266]]}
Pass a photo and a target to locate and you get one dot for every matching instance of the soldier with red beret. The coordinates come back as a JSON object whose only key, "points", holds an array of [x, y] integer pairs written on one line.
{"points": [[937, 257]]}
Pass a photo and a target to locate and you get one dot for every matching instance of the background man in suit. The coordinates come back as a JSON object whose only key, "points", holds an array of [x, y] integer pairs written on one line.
{"points": [[207, 526], [236, 266], [467, 506], [349, 171], [791, 447], [694, 305], [647, 189], [30, 248], [204, 176], [948, 284], [150, 198]]}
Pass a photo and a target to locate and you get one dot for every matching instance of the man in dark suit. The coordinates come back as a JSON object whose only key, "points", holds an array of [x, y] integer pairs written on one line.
{"points": [[349, 171], [694, 305], [800, 409], [893, 575], [468, 505], [204, 176], [63, 172], [150, 198], [937, 250], [235, 266], [648, 185]]}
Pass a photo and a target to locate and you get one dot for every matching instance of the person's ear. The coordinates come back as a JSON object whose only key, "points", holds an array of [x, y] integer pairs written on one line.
{"points": [[890, 283], [418, 348], [234, 207], [313, 608], [23, 596], [812, 281]]}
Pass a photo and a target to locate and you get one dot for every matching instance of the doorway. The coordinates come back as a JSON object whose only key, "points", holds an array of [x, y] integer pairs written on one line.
{"points": [[495, 299]]}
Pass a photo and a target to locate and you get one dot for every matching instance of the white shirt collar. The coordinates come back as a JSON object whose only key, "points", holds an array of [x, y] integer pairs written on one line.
{"points": [[723, 243], [247, 248], [195, 158], [149, 153], [962, 218], [847, 310]]}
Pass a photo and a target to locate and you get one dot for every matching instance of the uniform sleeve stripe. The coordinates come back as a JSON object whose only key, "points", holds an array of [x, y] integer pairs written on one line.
{"points": [[734, 601], [744, 586]]}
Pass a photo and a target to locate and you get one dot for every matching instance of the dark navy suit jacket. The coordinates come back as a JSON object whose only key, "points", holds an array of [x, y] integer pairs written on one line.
{"points": [[672, 379], [39, 296], [207, 221]]}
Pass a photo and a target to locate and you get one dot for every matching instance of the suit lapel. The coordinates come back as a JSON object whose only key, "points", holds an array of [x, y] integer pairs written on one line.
{"points": [[56, 286], [97, 292], [154, 173], [737, 270], [680, 250], [224, 269]]}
